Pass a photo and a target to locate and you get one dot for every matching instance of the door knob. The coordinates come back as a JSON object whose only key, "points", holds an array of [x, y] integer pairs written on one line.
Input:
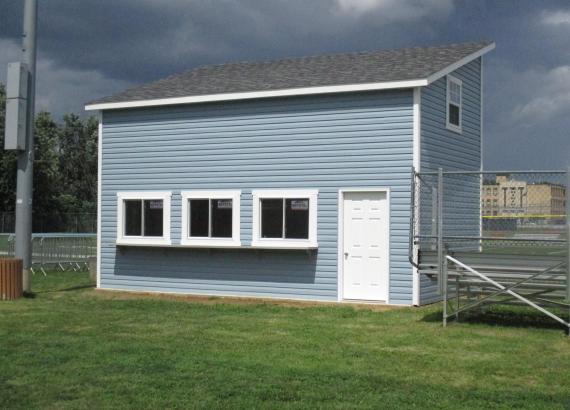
{"points": [[346, 254]]}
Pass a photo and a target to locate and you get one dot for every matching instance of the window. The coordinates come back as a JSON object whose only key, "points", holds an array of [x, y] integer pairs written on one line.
{"points": [[211, 218], [143, 218], [454, 103], [285, 219]]}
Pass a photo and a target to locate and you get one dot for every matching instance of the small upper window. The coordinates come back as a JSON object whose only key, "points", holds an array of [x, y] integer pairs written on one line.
{"points": [[143, 218], [285, 219], [454, 103], [210, 218]]}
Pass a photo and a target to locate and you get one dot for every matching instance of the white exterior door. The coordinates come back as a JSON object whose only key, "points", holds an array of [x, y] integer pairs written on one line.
{"points": [[365, 253]]}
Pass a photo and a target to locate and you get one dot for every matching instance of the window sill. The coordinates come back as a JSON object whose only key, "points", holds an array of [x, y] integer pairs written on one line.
{"points": [[144, 242], [454, 128], [257, 246], [209, 244], [301, 245]]}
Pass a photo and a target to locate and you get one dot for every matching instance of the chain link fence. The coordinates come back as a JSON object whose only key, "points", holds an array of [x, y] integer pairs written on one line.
{"points": [[53, 222], [484, 238], [501, 212]]}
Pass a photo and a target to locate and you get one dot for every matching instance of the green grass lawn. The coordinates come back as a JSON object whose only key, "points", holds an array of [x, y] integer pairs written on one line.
{"points": [[73, 347]]}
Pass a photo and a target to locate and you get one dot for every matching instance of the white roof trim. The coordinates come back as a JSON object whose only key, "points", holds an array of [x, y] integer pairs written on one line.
{"points": [[388, 85], [260, 94]]}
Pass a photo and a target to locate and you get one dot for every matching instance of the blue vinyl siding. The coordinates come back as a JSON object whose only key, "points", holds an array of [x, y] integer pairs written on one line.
{"points": [[449, 150], [324, 142]]}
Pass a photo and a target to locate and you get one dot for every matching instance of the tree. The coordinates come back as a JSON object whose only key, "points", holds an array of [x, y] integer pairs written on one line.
{"points": [[46, 164], [65, 169], [78, 164]]}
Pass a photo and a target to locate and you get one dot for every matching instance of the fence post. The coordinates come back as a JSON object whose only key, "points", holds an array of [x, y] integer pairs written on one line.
{"points": [[433, 232], [445, 290], [440, 260], [42, 252], [568, 235], [413, 233]]}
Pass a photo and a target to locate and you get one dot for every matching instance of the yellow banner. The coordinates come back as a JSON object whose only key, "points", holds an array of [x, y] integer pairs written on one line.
{"points": [[522, 216]]}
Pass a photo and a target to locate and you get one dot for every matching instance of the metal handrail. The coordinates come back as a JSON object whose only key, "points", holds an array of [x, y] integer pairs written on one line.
{"points": [[504, 289]]}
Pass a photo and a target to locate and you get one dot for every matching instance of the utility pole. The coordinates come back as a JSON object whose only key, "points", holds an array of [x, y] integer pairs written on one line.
{"points": [[25, 173]]}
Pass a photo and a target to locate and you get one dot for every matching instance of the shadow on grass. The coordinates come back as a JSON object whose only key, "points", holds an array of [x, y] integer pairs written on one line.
{"points": [[78, 287], [68, 289], [507, 316]]}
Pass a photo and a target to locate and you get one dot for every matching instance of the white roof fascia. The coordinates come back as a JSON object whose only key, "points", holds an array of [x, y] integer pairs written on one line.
{"points": [[260, 94]]}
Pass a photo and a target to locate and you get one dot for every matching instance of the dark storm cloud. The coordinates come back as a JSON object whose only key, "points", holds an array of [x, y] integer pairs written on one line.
{"points": [[139, 40], [88, 49]]}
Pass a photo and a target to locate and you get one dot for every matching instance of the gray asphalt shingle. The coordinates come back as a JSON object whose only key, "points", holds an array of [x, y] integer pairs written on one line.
{"points": [[326, 70]]}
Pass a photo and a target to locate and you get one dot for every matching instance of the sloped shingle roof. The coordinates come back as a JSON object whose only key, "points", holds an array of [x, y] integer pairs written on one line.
{"points": [[326, 70]]}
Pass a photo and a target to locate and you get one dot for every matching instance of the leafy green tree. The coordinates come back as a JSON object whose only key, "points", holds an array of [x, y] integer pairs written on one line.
{"points": [[78, 164], [46, 164], [65, 169]]}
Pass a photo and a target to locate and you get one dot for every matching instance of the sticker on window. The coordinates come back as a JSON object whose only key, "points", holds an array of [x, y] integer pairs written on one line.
{"points": [[224, 204], [156, 204], [299, 204]]}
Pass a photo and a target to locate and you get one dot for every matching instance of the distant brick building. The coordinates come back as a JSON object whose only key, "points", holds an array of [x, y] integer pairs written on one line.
{"points": [[506, 197], [546, 199]]}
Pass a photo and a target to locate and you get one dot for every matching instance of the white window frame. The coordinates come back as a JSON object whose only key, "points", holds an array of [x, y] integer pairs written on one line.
{"points": [[122, 239], [450, 126], [234, 241], [258, 241]]}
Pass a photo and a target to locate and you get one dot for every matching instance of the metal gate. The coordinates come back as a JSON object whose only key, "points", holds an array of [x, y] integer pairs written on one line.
{"points": [[65, 251]]}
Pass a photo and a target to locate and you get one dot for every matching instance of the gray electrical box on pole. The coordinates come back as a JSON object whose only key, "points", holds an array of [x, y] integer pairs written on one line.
{"points": [[16, 107]]}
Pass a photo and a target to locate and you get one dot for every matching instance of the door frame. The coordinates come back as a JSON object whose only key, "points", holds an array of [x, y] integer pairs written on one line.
{"points": [[340, 242]]}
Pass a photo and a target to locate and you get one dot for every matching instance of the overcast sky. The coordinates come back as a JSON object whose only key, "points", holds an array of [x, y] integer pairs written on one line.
{"points": [[92, 48]]}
